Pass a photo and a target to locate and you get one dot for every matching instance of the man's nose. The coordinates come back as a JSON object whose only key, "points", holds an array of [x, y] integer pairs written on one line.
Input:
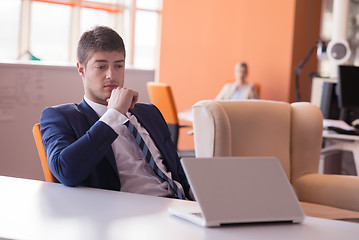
{"points": [[109, 73]]}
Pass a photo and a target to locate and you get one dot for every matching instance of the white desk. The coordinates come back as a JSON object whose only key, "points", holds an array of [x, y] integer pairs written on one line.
{"points": [[186, 116], [31, 209], [335, 141]]}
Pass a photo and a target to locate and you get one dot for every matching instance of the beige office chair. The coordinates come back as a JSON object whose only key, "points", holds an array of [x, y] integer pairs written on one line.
{"points": [[290, 132], [42, 154]]}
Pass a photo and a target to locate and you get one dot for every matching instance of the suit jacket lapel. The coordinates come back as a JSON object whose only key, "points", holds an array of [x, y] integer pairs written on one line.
{"points": [[90, 114], [92, 117], [158, 139], [154, 123]]}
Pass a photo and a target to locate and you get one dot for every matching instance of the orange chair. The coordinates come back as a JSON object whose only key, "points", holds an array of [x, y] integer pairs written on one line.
{"points": [[161, 96], [42, 154], [258, 87]]}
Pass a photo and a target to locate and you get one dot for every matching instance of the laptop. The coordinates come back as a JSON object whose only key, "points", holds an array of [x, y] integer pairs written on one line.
{"points": [[230, 190]]}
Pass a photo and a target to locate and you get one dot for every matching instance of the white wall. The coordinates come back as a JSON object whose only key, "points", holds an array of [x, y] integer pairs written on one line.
{"points": [[25, 90]]}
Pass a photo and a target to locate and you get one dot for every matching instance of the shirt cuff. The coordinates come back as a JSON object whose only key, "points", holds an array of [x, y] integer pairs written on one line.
{"points": [[114, 119]]}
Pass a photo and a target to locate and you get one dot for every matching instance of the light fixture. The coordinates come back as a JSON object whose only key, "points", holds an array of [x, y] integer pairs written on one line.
{"points": [[321, 54], [338, 51]]}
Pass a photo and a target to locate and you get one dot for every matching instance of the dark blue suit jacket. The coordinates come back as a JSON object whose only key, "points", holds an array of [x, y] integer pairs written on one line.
{"points": [[78, 147]]}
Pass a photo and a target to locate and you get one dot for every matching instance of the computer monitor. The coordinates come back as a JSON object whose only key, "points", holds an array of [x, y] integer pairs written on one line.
{"points": [[324, 96], [348, 92], [329, 101]]}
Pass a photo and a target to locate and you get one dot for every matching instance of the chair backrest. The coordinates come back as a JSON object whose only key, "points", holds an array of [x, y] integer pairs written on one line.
{"points": [[258, 88], [290, 132], [42, 154], [161, 96]]}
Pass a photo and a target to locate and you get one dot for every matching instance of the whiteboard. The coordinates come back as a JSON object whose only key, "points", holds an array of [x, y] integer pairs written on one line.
{"points": [[25, 90]]}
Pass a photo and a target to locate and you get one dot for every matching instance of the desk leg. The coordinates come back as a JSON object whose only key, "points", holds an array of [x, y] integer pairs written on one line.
{"points": [[348, 145], [356, 158]]}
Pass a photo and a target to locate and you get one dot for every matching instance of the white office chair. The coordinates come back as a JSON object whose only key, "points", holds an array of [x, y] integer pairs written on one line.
{"points": [[290, 132]]}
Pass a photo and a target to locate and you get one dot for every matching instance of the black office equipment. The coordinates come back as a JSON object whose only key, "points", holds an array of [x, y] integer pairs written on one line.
{"points": [[348, 92], [329, 101]]}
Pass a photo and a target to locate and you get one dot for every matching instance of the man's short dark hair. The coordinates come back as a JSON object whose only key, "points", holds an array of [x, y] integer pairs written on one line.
{"points": [[100, 38]]}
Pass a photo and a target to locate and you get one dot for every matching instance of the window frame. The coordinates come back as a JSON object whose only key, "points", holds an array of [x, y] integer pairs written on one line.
{"points": [[116, 11]]}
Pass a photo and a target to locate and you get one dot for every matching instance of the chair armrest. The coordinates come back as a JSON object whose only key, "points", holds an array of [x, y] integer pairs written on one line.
{"points": [[181, 126], [324, 211], [190, 132], [332, 190]]}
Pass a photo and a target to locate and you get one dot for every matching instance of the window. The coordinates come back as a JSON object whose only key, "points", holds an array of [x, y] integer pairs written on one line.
{"points": [[92, 17], [145, 39], [9, 24], [49, 39], [50, 29], [149, 4]]}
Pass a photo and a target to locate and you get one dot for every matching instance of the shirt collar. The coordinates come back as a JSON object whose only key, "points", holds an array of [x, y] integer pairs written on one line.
{"points": [[98, 108]]}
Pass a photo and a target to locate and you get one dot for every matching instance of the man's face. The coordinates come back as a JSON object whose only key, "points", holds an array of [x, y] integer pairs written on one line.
{"points": [[104, 71]]}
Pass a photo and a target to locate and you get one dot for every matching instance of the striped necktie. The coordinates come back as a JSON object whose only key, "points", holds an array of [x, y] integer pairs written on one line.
{"points": [[150, 160]]}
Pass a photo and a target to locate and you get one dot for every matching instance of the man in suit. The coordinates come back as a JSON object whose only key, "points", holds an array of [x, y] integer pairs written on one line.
{"points": [[88, 144]]}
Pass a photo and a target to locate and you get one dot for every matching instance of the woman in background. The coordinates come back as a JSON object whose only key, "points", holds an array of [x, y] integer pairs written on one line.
{"points": [[240, 88]]}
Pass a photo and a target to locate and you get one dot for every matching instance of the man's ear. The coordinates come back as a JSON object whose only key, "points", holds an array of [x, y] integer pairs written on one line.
{"points": [[80, 69]]}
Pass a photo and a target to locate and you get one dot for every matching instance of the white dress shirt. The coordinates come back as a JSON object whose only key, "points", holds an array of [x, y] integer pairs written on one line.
{"points": [[135, 173]]}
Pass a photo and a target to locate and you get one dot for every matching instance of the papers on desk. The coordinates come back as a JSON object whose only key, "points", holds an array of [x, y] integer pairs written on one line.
{"points": [[339, 126]]}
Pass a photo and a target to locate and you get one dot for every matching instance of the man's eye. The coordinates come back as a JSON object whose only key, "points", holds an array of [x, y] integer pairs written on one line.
{"points": [[119, 66], [100, 67]]}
